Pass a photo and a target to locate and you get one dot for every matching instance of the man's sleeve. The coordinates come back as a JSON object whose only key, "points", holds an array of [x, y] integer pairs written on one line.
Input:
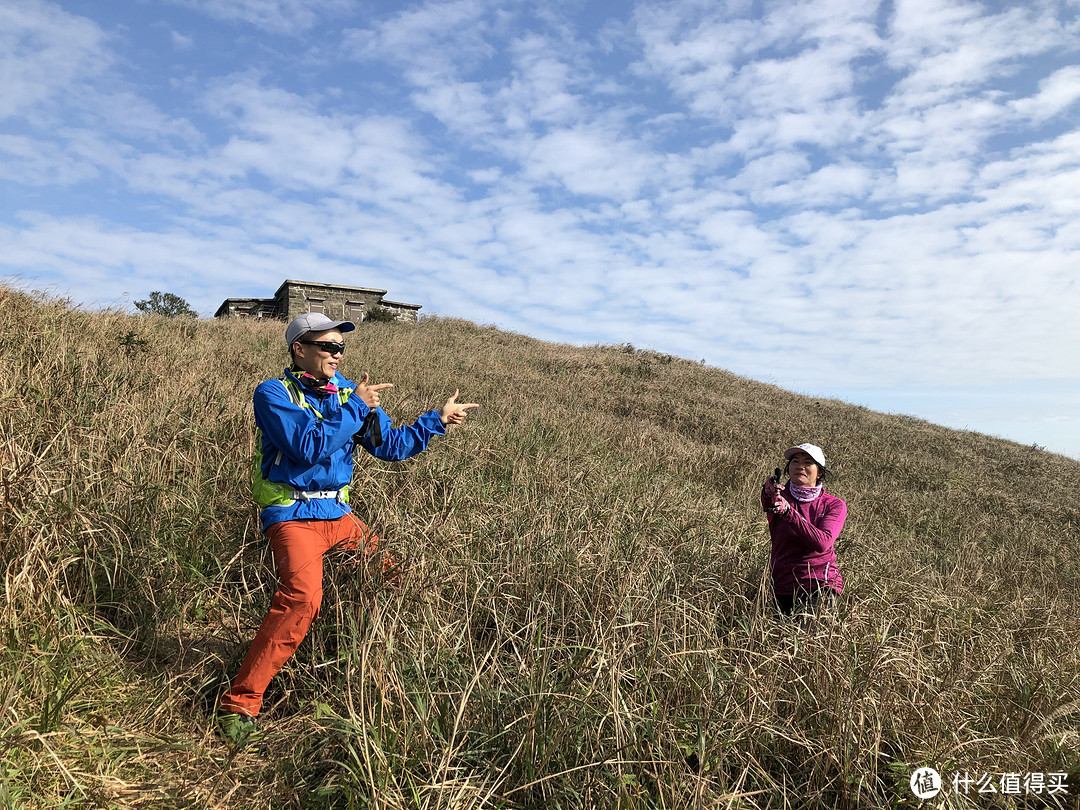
{"points": [[297, 432], [404, 442]]}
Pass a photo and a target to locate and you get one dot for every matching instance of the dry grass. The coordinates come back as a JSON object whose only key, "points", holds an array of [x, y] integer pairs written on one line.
{"points": [[579, 623]]}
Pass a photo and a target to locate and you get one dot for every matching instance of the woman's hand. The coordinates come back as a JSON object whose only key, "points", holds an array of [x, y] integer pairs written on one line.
{"points": [[780, 506], [770, 489]]}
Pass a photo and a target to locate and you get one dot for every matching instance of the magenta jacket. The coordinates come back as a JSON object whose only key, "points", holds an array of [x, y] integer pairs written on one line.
{"points": [[803, 552]]}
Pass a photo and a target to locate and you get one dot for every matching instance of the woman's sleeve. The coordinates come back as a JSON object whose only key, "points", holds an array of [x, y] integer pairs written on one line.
{"points": [[821, 535]]}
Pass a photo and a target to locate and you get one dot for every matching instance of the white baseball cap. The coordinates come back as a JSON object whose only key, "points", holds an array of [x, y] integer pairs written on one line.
{"points": [[812, 450], [313, 322]]}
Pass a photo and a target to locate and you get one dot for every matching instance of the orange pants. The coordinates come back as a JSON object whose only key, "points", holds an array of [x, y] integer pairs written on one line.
{"points": [[299, 546]]}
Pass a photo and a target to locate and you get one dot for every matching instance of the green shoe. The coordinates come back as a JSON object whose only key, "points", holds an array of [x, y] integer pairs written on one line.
{"points": [[236, 728]]}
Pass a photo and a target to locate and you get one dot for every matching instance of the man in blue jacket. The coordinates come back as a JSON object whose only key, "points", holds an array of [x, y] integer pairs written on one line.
{"points": [[309, 420]]}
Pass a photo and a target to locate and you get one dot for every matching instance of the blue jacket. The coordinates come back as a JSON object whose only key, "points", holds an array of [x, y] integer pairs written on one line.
{"points": [[317, 454]]}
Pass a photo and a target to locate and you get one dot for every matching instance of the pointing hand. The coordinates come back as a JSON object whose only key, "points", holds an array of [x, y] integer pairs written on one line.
{"points": [[370, 393], [453, 412]]}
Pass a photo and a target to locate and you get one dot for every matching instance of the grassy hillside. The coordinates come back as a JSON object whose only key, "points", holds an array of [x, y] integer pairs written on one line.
{"points": [[579, 623]]}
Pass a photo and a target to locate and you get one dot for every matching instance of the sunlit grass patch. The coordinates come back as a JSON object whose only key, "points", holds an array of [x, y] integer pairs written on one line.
{"points": [[580, 618]]}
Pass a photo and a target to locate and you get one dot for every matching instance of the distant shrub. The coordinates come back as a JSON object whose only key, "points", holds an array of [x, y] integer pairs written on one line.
{"points": [[380, 315], [132, 342], [167, 304]]}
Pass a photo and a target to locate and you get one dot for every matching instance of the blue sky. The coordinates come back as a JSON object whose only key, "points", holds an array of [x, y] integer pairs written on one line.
{"points": [[878, 202]]}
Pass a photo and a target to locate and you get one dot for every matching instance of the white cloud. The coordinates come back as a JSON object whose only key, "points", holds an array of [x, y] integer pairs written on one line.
{"points": [[43, 51], [543, 88], [829, 186], [34, 162], [182, 42], [724, 67], [428, 39], [760, 175], [204, 266], [461, 106], [1057, 93], [285, 17], [592, 162], [952, 46], [899, 200]]}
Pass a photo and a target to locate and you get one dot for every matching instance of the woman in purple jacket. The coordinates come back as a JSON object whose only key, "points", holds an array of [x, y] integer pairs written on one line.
{"points": [[804, 522]]}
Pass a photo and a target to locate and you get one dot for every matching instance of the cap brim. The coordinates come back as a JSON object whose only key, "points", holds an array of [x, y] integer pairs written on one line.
{"points": [[341, 326], [791, 451]]}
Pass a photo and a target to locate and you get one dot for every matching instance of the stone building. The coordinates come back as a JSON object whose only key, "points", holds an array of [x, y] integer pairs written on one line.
{"points": [[335, 301]]}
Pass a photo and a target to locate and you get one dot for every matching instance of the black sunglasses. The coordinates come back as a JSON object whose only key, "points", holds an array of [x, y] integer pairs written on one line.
{"points": [[327, 346]]}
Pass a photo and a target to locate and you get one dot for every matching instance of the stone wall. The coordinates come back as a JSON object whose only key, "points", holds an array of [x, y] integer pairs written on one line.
{"points": [[247, 307], [335, 302], [409, 313]]}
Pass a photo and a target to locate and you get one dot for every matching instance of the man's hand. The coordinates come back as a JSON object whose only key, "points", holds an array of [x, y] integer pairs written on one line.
{"points": [[454, 412], [370, 393]]}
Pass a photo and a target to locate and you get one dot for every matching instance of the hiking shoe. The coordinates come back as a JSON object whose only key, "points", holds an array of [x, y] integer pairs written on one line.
{"points": [[236, 728]]}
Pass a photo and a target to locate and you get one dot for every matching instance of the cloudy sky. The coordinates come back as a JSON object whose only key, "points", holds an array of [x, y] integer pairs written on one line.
{"points": [[877, 201]]}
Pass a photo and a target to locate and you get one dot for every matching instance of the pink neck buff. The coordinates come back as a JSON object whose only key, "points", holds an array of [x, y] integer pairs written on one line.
{"points": [[804, 494], [313, 383]]}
